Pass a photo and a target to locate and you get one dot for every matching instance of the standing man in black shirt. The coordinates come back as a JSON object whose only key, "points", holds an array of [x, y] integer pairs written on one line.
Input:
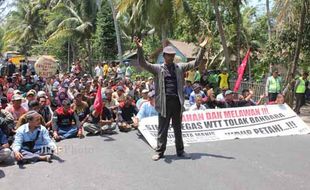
{"points": [[169, 82]]}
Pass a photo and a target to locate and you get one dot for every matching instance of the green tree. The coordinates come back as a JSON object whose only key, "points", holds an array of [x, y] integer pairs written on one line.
{"points": [[105, 47], [71, 23], [24, 26]]}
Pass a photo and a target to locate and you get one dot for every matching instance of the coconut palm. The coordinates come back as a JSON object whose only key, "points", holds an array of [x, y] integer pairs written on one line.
{"points": [[24, 26], [158, 14], [73, 22]]}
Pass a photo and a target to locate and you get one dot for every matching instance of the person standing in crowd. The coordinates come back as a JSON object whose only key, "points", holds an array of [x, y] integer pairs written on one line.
{"points": [[300, 91], [197, 76], [63, 126], [99, 70], [128, 71], [169, 85], [11, 68], [223, 79], [32, 142], [23, 67], [273, 86]]}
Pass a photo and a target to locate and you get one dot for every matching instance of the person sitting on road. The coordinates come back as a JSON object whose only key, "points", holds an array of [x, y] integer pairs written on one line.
{"points": [[32, 142], [33, 106], [46, 111], [5, 151], [143, 99], [147, 109], [79, 106], [96, 122], [128, 110], [279, 100], [66, 123], [16, 109], [198, 105], [119, 95], [229, 101], [197, 91]]}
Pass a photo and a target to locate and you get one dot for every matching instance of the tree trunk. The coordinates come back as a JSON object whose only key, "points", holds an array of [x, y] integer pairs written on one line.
{"points": [[222, 33], [73, 52], [269, 29], [163, 36], [268, 20], [118, 37], [68, 69], [299, 39], [239, 22], [90, 54]]}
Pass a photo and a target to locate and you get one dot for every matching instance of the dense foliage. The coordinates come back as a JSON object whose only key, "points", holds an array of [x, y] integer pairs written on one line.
{"points": [[76, 29]]}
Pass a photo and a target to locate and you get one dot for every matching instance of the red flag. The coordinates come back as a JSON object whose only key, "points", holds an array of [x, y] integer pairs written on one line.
{"points": [[241, 70], [98, 104]]}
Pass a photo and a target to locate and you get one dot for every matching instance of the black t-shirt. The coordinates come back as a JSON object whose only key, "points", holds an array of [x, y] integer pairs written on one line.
{"points": [[128, 112], [170, 80]]}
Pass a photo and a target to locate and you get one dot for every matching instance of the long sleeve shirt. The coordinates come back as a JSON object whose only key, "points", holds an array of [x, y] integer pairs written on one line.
{"points": [[159, 78], [23, 134], [147, 110]]}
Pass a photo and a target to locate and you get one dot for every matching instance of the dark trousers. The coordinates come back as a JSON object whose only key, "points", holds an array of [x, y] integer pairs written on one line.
{"points": [[173, 111], [272, 96], [300, 99]]}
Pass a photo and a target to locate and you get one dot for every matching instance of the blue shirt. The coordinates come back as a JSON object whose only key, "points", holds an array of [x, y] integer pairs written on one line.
{"points": [[3, 138], [192, 97], [147, 110], [188, 90], [23, 134]]}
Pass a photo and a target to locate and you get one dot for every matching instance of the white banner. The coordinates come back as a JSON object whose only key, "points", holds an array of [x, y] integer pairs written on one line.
{"points": [[230, 123]]}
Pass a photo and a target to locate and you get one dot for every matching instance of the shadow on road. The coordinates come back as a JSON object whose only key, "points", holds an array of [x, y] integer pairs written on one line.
{"points": [[2, 174], [196, 156], [58, 159]]}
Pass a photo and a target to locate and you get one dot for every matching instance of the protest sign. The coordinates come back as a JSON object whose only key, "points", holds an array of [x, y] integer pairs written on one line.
{"points": [[46, 66], [230, 123]]}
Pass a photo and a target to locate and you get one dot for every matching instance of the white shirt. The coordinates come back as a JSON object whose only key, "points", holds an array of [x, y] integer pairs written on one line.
{"points": [[220, 97], [195, 108], [99, 71]]}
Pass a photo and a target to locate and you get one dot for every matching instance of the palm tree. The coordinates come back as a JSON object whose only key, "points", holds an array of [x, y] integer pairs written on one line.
{"points": [[24, 26], [157, 14], [73, 22]]}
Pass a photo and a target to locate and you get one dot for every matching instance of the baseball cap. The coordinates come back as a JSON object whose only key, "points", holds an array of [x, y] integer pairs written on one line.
{"points": [[30, 92], [17, 92], [145, 91], [42, 94], [77, 94], [151, 94], [120, 88], [228, 92], [169, 50], [196, 86], [17, 97]]}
